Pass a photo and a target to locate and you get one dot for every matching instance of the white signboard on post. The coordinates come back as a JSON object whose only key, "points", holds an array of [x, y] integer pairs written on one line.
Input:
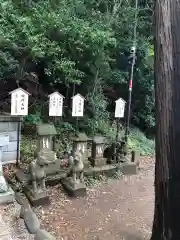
{"points": [[78, 105], [55, 104], [120, 107], [19, 102]]}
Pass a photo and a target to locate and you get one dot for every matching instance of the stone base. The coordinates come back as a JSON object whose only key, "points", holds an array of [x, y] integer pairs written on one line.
{"points": [[107, 170], [37, 199], [74, 189], [128, 168], [51, 180], [7, 197], [98, 161], [53, 168]]}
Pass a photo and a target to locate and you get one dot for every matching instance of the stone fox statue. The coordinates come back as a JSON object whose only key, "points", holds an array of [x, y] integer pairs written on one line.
{"points": [[76, 166], [37, 173]]}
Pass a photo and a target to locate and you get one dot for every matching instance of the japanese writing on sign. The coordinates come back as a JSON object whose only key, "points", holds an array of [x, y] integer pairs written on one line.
{"points": [[77, 106], [19, 102], [55, 104]]}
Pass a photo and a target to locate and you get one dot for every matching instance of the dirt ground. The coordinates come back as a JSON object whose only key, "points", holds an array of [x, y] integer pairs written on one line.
{"points": [[117, 210]]}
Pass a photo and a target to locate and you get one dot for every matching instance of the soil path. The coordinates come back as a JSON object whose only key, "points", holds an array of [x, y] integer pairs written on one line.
{"points": [[118, 210]]}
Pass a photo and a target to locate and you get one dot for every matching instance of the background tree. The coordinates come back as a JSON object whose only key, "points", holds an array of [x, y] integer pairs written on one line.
{"points": [[167, 87], [77, 46]]}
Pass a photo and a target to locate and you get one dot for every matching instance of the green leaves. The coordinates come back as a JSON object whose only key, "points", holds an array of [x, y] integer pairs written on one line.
{"points": [[79, 42]]}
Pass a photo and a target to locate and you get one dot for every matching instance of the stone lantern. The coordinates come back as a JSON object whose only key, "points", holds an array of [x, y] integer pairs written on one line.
{"points": [[80, 143], [98, 145], [45, 132]]}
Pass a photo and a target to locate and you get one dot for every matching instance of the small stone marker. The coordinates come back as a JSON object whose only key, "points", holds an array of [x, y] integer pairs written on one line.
{"points": [[55, 104], [120, 107], [19, 102], [78, 105]]}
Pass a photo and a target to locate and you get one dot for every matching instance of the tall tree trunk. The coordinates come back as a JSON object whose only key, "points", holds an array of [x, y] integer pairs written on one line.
{"points": [[166, 223]]}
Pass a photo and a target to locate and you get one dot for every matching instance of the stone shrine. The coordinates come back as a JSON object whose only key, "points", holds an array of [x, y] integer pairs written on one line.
{"points": [[97, 158], [6, 193], [80, 144], [46, 132]]}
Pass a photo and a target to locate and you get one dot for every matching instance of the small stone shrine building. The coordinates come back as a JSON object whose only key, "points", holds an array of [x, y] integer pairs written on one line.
{"points": [[80, 143], [98, 146], [45, 133]]}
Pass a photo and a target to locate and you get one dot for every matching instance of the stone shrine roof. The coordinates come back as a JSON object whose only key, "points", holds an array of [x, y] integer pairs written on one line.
{"points": [[99, 139], [80, 137], [46, 130]]}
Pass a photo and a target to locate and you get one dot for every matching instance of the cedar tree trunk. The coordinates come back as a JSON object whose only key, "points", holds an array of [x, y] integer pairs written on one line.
{"points": [[166, 223]]}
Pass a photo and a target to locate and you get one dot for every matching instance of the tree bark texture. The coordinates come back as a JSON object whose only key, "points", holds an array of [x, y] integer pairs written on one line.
{"points": [[166, 223]]}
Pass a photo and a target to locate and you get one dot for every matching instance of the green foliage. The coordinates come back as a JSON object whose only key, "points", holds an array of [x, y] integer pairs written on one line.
{"points": [[139, 142], [84, 45], [33, 119], [28, 147]]}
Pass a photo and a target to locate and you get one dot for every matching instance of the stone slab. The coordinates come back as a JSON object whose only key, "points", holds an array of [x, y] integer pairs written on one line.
{"points": [[56, 178], [74, 190], [53, 168], [8, 126], [13, 136], [98, 161], [129, 168], [11, 147], [38, 199], [50, 180], [8, 197], [9, 157], [107, 170]]}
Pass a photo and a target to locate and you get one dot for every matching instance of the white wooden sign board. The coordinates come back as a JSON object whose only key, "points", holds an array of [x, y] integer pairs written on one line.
{"points": [[120, 107], [78, 106], [55, 104], [19, 102]]}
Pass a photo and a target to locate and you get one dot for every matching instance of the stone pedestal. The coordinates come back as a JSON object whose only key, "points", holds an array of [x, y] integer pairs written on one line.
{"points": [[36, 199], [97, 162], [74, 189]]}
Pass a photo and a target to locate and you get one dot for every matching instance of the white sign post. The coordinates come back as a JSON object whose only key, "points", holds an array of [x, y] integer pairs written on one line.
{"points": [[19, 107], [120, 107], [56, 104], [19, 102], [119, 113], [78, 105], [77, 108]]}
